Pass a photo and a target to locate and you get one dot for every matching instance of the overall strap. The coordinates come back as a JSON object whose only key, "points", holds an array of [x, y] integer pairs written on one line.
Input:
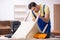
{"points": [[43, 10], [33, 14]]}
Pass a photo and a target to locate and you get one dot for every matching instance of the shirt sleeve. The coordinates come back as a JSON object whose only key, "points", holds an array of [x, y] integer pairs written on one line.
{"points": [[47, 10]]}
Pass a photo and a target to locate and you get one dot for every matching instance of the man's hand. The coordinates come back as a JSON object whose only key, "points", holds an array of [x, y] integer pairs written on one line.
{"points": [[33, 19], [39, 14]]}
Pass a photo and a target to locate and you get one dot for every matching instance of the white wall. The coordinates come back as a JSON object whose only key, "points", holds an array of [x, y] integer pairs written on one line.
{"points": [[6, 10]]}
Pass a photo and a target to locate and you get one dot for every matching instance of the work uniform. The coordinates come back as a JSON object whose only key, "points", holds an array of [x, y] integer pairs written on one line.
{"points": [[43, 10]]}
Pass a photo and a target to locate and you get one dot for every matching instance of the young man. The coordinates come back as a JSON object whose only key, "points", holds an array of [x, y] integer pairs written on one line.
{"points": [[42, 11]]}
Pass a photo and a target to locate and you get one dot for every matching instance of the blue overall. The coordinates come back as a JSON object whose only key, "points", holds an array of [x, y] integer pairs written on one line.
{"points": [[42, 23]]}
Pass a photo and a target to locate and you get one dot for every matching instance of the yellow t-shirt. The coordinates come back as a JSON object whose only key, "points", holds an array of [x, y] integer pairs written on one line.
{"points": [[46, 10]]}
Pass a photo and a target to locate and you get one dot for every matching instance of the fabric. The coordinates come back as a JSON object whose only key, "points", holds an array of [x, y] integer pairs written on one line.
{"points": [[15, 25], [42, 24]]}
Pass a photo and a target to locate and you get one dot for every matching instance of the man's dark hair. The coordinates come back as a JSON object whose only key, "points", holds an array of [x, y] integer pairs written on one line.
{"points": [[32, 4]]}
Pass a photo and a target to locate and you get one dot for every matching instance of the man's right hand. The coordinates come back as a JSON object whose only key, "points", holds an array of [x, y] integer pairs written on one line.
{"points": [[33, 19]]}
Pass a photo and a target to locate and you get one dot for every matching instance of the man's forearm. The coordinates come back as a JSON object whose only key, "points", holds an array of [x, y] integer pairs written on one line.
{"points": [[44, 19]]}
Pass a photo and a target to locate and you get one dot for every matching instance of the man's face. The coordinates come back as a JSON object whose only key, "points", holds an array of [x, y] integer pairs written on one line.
{"points": [[35, 9]]}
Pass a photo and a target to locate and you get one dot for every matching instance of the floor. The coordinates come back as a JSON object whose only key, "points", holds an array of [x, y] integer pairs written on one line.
{"points": [[35, 39]]}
